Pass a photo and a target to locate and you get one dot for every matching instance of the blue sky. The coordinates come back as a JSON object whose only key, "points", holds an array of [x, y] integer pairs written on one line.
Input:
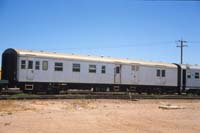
{"points": [[144, 30]]}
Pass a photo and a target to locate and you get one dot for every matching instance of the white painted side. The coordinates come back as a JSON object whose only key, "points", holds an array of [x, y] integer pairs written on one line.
{"points": [[192, 83], [146, 75], [67, 75]]}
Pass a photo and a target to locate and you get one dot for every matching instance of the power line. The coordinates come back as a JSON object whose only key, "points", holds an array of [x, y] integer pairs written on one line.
{"points": [[182, 46]]}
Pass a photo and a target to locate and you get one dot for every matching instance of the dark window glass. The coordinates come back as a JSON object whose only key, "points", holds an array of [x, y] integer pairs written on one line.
{"points": [[133, 68], [45, 65], [158, 73], [23, 64], [76, 67], [58, 66], [188, 75], [137, 68], [163, 73], [92, 68], [37, 65], [103, 69], [30, 64], [117, 69], [196, 75]]}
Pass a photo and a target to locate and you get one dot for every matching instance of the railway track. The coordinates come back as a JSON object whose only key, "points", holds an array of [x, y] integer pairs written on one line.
{"points": [[96, 95]]}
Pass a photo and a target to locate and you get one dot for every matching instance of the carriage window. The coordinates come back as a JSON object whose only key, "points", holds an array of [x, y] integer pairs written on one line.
{"points": [[103, 69], [163, 73], [133, 68], [76, 67], [158, 73], [137, 68], [37, 65], [58, 66], [117, 69], [188, 75], [45, 65], [30, 64], [92, 68], [23, 64], [196, 75]]}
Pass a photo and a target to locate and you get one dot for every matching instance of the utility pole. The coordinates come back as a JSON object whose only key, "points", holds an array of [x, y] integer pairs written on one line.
{"points": [[182, 46]]}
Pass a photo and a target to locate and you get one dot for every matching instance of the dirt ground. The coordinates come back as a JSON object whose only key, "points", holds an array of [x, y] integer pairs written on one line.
{"points": [[99, 116]]}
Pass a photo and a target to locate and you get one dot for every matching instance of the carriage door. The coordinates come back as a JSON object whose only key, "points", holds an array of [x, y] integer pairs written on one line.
{"points": [[117, 74], [134, 74], [184, 79], [30, 69], [163, 77]]}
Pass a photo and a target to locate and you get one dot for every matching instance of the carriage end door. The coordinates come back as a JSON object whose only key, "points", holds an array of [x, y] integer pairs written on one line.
{"points": [[117, 74], [30, 70], [135, 74]]}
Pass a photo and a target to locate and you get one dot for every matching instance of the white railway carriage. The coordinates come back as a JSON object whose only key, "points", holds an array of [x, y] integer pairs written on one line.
{"points": [[43, 71], [190, 81]]}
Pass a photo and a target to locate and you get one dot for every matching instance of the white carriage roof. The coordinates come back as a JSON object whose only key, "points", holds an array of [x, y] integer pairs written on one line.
{"points": [[90, 58], [188, 66]]}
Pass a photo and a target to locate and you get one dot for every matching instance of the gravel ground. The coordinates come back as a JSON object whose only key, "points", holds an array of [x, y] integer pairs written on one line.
{"points": [[97, 116]]}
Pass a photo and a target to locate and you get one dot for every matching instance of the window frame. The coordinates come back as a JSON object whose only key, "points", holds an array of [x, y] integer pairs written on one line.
{"points": [[92, 68], [158, 73], [37, 65], [58, 66], [163, 73], [103, 69], [117, 70], [23, 65], [135, 67], [76, 67], [45, 68], [30, 64], [189, 75], [196, 75]]}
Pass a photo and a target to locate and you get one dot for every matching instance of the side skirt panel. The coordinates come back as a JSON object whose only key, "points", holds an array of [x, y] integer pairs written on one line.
{"points": [[56, 87]]}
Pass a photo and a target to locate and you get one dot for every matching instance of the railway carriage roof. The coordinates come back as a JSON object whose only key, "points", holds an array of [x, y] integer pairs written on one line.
{"points": [[188, 66], [90, 58]]}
